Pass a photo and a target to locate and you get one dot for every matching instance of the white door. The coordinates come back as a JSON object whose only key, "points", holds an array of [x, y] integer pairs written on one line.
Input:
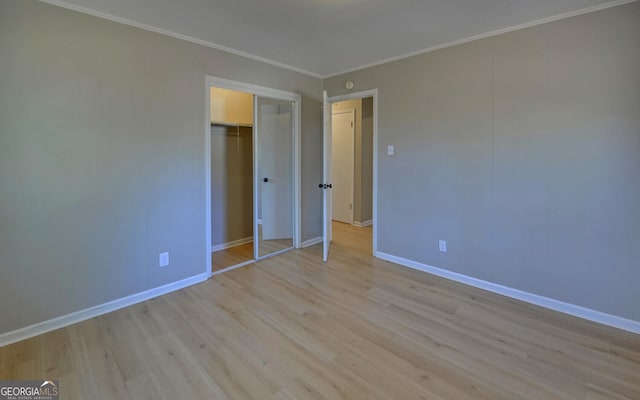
{"points": [[326, 198], [343, 165], [274, 136]]}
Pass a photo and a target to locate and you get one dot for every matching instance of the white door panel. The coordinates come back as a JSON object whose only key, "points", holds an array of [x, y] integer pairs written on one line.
{"points": [[274, 130]]}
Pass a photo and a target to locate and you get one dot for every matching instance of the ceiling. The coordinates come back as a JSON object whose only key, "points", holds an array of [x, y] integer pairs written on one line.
{"points": [[325, 37]]}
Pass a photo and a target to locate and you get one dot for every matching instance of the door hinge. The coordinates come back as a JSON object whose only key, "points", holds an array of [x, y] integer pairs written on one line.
{"points": [[352, 124], [350, 206]]}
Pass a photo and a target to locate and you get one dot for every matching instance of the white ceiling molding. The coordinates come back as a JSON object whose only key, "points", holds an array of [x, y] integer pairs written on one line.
{"points": [[187, 38], [497, 32], [326, 37]]}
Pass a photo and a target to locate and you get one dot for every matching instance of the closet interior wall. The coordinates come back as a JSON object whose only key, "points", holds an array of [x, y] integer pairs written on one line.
{"points": [[231, 184]]}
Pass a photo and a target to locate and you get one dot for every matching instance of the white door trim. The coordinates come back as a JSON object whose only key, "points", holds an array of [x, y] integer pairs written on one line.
{"points": [[213, 81], [359, 95]]}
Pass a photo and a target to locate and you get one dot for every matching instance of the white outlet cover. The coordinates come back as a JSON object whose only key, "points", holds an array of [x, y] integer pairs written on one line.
{"points": [[442, 245], [390, 150], [163, 259]]}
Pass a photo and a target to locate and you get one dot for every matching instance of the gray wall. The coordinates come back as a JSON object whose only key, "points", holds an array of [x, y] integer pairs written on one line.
{"points": [[102, 160], [231, 184], [523, 152]]}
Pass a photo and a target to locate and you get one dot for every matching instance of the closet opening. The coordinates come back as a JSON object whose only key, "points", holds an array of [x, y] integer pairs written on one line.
{"points": [[252, 146], [231, 178]]}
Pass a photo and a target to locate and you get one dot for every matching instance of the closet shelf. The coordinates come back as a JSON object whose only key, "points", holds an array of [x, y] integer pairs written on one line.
{"points": [[231, 124]]}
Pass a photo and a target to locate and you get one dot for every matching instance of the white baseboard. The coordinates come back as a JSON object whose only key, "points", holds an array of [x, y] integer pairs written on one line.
{"points": [[362, 224], [311, 242], [234, 243], [556, 305], [88, 313]]}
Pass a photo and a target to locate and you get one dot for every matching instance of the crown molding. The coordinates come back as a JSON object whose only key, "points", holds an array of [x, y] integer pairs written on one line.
{"points": [[175, 35], [497, 32]]}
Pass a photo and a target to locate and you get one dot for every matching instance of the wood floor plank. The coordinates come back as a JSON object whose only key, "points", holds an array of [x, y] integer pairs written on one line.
{"points": [[232, 256], [354, 328]]}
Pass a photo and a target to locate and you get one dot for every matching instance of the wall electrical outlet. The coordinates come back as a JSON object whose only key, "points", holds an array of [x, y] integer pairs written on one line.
{"points": [[163, 259], [442, 245]]}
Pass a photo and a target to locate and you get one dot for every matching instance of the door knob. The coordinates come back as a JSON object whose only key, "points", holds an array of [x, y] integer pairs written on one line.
{"points": [[265, 180]]}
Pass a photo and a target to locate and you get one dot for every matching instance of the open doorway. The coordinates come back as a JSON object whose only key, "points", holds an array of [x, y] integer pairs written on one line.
{"points": [[349, 170], [253, 173], [352, 170]]}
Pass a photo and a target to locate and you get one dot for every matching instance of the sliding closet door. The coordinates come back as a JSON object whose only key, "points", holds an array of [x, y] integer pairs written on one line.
{"points": [[275, 175]]}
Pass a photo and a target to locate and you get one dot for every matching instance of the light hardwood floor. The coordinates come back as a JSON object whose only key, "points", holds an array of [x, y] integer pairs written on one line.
{"points": [[232, 256], [239, 254], [291, 327]]}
